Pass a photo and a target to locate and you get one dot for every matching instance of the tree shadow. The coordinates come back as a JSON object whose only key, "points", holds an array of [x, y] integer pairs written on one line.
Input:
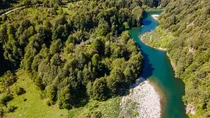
{"points": [[180, 101], [146, 72], [146, 22], [147, 69], [5, 65]]}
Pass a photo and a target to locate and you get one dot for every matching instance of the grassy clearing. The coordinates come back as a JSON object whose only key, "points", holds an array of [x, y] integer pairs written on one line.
{"points": [[35, 107]]}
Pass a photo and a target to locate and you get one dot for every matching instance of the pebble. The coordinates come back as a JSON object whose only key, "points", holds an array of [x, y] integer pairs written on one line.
{"points": [[147, 99]]}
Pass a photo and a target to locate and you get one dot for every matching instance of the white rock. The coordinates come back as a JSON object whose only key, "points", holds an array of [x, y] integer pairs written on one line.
{"points": [[147, 99]]}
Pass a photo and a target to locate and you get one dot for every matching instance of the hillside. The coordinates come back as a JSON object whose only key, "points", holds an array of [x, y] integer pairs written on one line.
{"points": [[185, 31]]}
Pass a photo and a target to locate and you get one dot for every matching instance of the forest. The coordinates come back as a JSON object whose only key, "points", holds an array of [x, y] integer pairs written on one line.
{"points": [[76, 51], [73, 53], [185, 31]]}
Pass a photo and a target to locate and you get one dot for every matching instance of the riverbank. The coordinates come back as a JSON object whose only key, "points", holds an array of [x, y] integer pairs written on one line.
{"points": [[159, 70], [172, 64], [142, 101], [155, 16], [162, 49]]}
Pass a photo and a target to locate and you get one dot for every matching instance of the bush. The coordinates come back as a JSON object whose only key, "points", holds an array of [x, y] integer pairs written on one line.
{"points": [[1, 112], [11, 108], [19, 90], [96, 115], [5, 98], [9, 79]]}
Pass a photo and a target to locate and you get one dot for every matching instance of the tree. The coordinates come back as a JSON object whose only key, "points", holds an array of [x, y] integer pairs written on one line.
{"points": [[98, 45], [73, 55], [19, 90], [55, 60], [129, 75], [95, 59], [71, 39], [66, 98], [55, 46], [9, 79], [137, 13], [99, 89], [89, 89], [125, 37], [27, 2], [115, 80], [51, 93], [103, 28]]}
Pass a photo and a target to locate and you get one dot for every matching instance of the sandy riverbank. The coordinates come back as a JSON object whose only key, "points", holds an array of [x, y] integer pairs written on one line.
{"points": [[142, 102], [155, 16]]}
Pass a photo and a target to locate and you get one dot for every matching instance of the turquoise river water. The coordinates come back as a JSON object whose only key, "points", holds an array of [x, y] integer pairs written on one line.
{"points": [[158, 70]]}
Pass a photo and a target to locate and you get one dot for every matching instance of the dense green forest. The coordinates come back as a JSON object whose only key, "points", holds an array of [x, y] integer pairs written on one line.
{"points": [[6, 3], [185, 31], [73, 52], [78, 51], [155, 3]]}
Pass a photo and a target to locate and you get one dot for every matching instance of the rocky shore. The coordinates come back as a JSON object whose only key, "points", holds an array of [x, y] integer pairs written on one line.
{"points": [[141, 102]]}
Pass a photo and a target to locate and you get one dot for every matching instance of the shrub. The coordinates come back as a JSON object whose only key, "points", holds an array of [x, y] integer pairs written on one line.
{"points": [[11, 108], [5, 98], [19, 90]]}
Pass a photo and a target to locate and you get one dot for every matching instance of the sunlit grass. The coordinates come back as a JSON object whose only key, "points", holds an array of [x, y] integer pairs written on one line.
{"points": [[33, 106], [30, 104]]}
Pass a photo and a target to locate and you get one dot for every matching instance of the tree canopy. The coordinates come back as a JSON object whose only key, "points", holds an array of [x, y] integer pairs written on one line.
{"points": [[75, 53]]}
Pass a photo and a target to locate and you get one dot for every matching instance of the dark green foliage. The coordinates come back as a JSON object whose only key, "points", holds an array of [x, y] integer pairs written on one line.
{"points": [[4, 107], [8, 79], [6, 92], [99, 89], [155, 3], [189, 22], [11, 108], [5, 98], [47, 3], [6, 3], [19, 90], [27, 2], [76, 56]]}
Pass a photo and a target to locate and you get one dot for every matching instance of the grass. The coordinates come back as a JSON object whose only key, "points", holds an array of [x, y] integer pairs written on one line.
{"points": [[108, 109], [35, 107]]}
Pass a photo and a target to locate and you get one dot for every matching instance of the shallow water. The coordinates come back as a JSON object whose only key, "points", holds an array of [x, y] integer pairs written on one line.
{"points": [[158, 70]]}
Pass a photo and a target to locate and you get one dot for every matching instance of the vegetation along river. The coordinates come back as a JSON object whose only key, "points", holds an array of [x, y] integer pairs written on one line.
{"points": [[158, 70]]}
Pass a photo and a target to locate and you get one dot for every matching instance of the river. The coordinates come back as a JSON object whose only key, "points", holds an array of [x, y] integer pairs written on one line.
{"points": [[158, 70]]}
